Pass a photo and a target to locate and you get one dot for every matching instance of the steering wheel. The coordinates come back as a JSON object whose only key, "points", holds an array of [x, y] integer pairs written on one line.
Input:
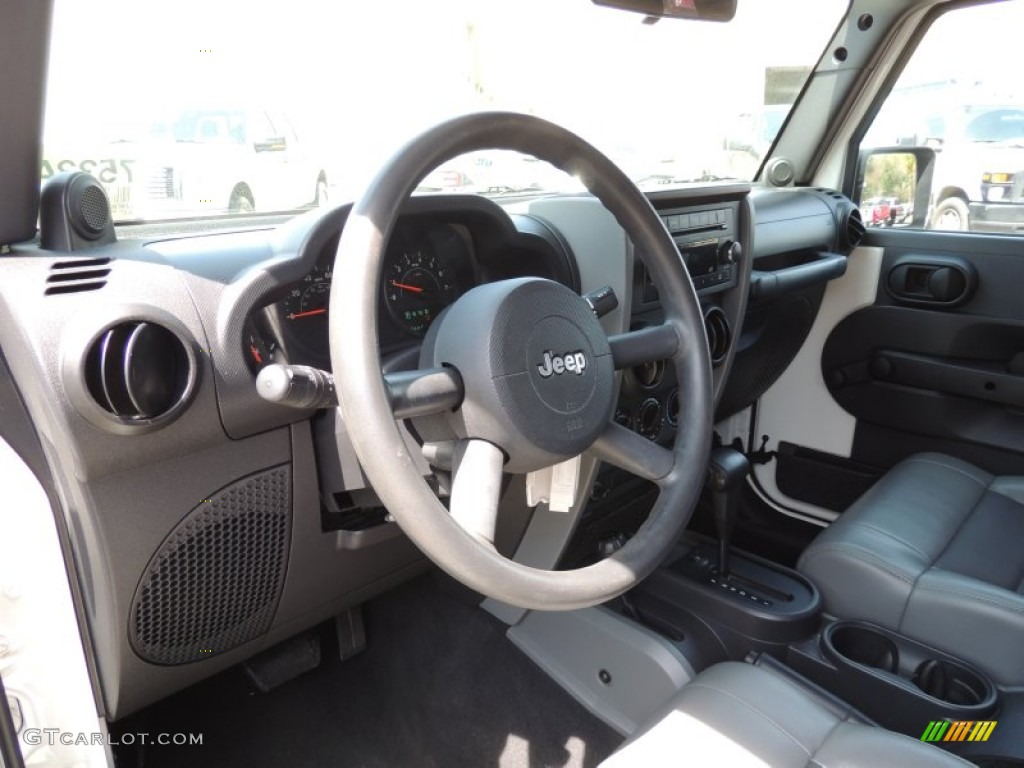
{"points": [[521, 374]]}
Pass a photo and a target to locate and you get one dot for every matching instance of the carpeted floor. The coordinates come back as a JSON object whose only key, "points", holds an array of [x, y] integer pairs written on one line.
{"points": [[439, 685]]}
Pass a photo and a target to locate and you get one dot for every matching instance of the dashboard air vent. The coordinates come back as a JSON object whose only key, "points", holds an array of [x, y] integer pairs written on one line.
{"points": [[77, 275], [716, 325], [854, 229], [138, 371]]}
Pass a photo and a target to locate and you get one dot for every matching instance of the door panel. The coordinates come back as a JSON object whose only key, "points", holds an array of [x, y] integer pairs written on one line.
{"points": [[922, 377], [882, 377]]}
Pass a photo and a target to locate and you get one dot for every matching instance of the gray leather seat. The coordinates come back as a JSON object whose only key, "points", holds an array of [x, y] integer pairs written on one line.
{"points": [[935, 551], [737, 715]]}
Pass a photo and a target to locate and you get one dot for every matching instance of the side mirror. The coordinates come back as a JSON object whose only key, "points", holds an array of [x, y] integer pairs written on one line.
{"points": [[895, 185], [273, 144]]}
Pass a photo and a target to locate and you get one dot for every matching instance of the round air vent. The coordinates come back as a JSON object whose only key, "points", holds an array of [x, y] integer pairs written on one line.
{"points": [[853, 229], [139, 372], [716, 325], [672, 408]]}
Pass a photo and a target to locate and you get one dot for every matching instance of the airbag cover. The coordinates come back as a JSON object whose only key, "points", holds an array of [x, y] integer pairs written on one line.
{"points": [[536, 366]]}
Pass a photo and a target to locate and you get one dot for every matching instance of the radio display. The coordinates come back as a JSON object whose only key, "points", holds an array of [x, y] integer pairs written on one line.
{"points": [[709, 267], [701, 258]]}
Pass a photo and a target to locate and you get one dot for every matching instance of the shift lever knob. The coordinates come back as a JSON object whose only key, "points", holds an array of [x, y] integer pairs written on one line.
{"points": [[727, 469]]}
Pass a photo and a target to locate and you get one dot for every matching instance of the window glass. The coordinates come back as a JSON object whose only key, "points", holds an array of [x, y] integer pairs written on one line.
{"points": [[171, 99], [961, 96]]}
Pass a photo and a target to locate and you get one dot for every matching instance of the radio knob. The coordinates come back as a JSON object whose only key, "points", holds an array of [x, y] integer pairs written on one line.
{"points": [[729, 252]]}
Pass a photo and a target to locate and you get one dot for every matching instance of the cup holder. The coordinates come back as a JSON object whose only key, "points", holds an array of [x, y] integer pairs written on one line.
{"points": [[950, 682], [895, 679], [865, 646]]}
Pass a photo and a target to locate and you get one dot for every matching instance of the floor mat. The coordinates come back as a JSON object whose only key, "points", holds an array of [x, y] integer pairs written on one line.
{"points": [[439, 685]]}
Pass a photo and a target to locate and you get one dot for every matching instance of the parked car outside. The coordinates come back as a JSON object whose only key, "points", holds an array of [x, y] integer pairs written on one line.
{"points": [[200, 161]]}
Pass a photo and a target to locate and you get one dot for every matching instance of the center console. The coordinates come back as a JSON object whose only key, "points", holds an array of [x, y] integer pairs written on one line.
{"points": [[736, 600], [759, 606], [709, 229], [708, 238]]}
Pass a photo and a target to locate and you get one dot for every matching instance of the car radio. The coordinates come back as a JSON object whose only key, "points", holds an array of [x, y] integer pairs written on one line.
{"points": [[711, 262], [706, 241]]}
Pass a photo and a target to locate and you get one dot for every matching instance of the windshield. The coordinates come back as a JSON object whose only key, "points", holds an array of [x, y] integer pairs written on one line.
{"points": [[194, 109], [997, 125]]}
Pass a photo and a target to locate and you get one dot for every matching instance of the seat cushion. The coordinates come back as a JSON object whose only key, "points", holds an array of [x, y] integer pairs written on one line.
{"points": [[739, 715], [932, 551]]}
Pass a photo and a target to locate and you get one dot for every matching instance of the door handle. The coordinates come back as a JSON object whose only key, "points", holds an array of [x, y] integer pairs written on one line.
{"points": [[938, 281]]}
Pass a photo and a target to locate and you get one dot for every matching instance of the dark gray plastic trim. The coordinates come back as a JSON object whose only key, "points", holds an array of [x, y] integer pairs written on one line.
{"points": [[770, 285], [24, 54]]}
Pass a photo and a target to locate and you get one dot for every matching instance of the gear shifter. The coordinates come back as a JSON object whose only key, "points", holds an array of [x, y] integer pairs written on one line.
{"points": [[727, 469]]}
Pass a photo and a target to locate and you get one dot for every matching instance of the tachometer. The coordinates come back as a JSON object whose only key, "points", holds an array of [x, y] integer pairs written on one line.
{"points": [[416, 288]]}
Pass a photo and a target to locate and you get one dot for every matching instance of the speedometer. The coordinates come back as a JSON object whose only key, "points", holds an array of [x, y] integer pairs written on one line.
{"points": [[309, 298], [416, 288], [305, 309]]}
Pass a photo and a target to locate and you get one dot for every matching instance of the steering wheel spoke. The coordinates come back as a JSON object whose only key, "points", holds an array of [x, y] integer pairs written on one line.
{"points": [[476, 487], [647, 345], [423, 392], [634, 453]]}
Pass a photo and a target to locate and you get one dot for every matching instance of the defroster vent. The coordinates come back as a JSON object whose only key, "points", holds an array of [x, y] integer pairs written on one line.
{"points": [[215, 582], [77, 275]]}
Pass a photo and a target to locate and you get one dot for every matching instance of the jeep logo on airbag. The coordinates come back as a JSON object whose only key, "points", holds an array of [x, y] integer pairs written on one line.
{"points": [[556, 365]]}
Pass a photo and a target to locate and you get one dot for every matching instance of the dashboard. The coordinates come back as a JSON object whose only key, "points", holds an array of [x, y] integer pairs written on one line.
{"points": [[143, 356], [432, 259]]}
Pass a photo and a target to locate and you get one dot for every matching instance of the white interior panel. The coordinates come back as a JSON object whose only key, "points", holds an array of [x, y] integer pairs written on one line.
{"points": [[798, 408]]}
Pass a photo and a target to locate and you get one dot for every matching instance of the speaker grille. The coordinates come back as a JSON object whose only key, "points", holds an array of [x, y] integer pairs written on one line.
{"points": [[95, 210], [215, 582]]}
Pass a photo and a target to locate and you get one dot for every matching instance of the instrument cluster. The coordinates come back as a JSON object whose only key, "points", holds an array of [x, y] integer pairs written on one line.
{"points": [[427, 266]]}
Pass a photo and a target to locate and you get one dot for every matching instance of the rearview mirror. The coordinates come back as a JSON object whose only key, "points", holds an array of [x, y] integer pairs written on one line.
{"points": [[700, 10]]}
